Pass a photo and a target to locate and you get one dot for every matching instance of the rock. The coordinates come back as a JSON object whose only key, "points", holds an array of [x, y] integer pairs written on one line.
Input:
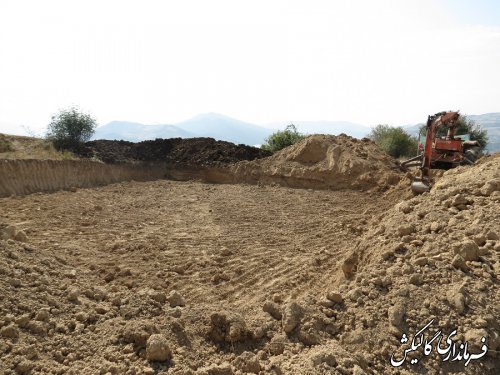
{"points": [[334, 297], [23, 320], [10, 332], [457, 300], [435, 226], [248, 363], [459, 200], [422, 261], [395, 314], [492, 236], [490, 187], [228, 327], [308, 335], [292, 315], [349, 265], [480, 239], [325, 302], [272, 309], [467, 249], [416, 279], [157, 348], [459, 262], [404, 207], [277, 344], [158, 296], [405, 230], [21, 236], [175, 299], [73, 294], [355, 294], [43, 315]]}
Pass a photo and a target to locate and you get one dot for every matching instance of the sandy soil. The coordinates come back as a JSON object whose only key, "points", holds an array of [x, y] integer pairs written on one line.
{"points": [[228, 248]]}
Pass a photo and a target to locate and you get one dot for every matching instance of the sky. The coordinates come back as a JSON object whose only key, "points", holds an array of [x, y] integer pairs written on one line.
{"points": [[368, 62]]}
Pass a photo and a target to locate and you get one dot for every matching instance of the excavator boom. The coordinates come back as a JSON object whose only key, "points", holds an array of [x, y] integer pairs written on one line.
{"points": [[448, 119]]}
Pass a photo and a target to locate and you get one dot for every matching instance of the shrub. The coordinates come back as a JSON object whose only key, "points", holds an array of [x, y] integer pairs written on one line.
{"points": [[5, 144], [70, 128], [394, 140], [282, 139]]}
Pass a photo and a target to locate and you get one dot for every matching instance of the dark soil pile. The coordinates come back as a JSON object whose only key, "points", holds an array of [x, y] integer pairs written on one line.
{"points": [[191, 151]]}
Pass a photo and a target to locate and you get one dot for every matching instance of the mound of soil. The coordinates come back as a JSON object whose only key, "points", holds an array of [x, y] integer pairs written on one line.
{"points": [[325, 162], [435, 256], [190, 151]]}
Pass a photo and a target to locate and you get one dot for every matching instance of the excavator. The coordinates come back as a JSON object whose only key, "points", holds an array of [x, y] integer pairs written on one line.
{"points": [[441, 152]]}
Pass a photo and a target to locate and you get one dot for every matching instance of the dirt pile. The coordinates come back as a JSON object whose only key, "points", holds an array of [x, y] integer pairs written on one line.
{"points": [[189, 151], [325, 162], [435, 256]]}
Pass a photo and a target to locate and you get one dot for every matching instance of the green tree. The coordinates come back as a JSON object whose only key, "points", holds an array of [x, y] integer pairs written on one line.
{"points": [[282, 139], [70, 128], [394, 140], [466, 126]]}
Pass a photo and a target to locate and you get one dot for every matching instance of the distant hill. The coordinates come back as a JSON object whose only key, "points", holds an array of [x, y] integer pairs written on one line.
{"points": [[136, 132], [489, 121], [225, 128], [206, 125]]}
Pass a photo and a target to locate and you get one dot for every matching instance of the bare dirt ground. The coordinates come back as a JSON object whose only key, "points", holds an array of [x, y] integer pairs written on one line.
{"points": [[191, 278], [221, 247]]}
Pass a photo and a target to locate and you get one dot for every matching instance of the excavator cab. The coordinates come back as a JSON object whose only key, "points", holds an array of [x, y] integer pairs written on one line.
{"points": [[440, 152]]}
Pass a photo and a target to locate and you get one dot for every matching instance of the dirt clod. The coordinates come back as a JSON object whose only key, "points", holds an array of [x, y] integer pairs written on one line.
{"points": [[157, 348]]}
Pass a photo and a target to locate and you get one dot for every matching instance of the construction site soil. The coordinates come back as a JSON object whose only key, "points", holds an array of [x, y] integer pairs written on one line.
{"points": [[190, 151], [181, 277]]}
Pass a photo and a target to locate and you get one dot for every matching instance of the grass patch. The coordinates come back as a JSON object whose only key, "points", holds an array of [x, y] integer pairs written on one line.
{"points": [[5, 145]]}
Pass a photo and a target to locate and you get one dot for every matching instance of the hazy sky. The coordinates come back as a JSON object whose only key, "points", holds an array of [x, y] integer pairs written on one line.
{"points": [[259, 61]]}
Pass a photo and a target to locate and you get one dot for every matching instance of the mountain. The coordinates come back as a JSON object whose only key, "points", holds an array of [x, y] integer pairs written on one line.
{"points": [[136, 132], [206, 125], [327, 127], [489, 121], [225, 128]]}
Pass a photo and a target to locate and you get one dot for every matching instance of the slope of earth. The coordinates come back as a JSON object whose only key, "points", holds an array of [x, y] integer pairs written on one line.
{"points": [[433, 257], [20, 147], [326, 162], [89, 279], [189, 151]]}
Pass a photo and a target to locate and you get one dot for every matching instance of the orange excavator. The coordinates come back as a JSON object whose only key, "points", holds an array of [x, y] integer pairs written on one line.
{"points": [[441, 152]]}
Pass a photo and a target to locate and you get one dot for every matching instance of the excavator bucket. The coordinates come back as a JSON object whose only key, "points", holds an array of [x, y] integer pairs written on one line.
{"points": [[419, 186]]}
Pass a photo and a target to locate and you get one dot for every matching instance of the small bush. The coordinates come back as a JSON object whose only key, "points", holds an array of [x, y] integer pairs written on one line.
{"points": [[282, 139], [395, 141], [5, 145], [70, 128]]}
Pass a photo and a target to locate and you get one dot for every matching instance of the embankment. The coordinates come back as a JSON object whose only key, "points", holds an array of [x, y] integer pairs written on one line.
{"points": [[20, 177]]}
